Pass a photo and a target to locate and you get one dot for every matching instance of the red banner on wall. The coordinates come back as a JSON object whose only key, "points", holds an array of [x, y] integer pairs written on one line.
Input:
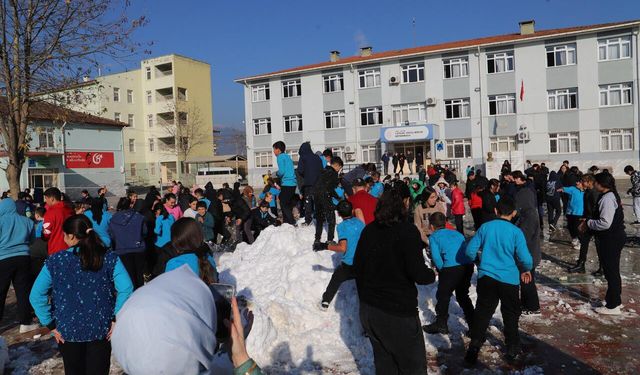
{"points": [[89, 159]]}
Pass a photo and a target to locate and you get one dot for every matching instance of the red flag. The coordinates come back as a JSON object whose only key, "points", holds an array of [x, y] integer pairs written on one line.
{"points": [[521, 90]]}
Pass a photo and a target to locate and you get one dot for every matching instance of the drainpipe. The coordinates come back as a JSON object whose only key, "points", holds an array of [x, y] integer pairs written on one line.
{"points": [[481, 106], [64, 146], [355, 114]]}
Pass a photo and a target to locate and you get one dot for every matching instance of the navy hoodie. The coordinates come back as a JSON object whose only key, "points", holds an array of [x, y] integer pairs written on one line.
{"points": [[128, 230], [309, 165]]}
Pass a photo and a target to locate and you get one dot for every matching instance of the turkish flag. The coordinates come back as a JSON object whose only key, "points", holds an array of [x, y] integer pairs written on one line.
{"points": [[521, 90]]}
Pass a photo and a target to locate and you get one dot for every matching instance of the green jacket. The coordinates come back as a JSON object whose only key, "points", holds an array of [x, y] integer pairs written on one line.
{"points": [[417, 192], [207, 226]]}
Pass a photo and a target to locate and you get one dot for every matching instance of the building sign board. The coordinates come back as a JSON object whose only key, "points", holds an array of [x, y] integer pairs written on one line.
{"points": [[407, 133], [77, 160]]}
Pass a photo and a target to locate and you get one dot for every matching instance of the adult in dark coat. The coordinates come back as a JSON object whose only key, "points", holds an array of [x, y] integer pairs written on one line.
{"points": [[401, 160], [394, 161], [309, 169], [385, 163]]}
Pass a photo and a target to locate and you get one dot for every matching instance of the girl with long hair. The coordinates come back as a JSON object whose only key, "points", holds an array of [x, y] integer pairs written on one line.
{"points": [[87, 285], [100, 221], [188, 243]]}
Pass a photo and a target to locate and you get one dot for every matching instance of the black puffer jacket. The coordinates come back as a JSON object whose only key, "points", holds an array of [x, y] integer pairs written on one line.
{"points": [[309, 165]]}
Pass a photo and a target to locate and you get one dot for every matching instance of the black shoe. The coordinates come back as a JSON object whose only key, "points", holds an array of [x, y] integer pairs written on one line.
{"points": [[436, 328], [471, 358], [512, 353], [598, 273], [578, 268]]}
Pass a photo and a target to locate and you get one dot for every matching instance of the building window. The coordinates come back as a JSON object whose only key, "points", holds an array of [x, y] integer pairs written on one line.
{"points": [[334, 119], [130, 120], [500, 62], [46, 138], [116, 94], [150, 121], [564, 143], [147, 71], [134, 170], [264, 159], [338, 152], [333, 83], [503, 144], [152, 145], [293, 124], [149, 97], [459, 148], [617, 94], [455, 68], [291, 89], [614, 48], [262, 126], [413, 73], [129, 96], [152, 169], [132, 145], [616, 140], [407, 114], [260, 93], [116, 116], [457, 108], [295, 157], [371, 116], [369, 78], [370, 154], [502, 104], [560, 100], [561, 55]]}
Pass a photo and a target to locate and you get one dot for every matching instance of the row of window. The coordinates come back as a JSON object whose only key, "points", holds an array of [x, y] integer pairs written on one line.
{"points": [[116, 95], [369, 153], [557, 100], [498, 62], [151, 144]]}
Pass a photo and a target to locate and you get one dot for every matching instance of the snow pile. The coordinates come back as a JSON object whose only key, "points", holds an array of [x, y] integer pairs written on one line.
{"points": [[284, 280]]}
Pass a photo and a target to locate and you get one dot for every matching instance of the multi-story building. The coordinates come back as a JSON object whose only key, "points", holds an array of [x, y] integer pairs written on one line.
{"points": [[544, 96], [168, 98]]}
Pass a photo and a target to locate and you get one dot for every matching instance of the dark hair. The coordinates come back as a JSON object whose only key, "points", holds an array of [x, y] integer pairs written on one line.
{"points": [[506, 205], [587, 178], [606, 180], [40, 211], [198, 191], [131, 194], [337, 160], [22, 195], [124, 203], [553, 176], [90, 249], [96, 209], [391, 209], [345, 209], [327, 152], [169, 196], [628, 169], [160, 207], [438, 220], [518, 175], [494, 182], [186, 236], [280, 146], [201, 204], [565, 162], [85, 191], [191, 199], [53, 192]]}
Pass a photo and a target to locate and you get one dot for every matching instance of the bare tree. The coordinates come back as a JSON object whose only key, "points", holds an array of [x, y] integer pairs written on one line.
{"points": [[48, 44], [186, 129]]}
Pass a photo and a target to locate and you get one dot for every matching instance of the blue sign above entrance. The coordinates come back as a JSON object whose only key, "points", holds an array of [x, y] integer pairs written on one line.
{"points": [[407, 133]]}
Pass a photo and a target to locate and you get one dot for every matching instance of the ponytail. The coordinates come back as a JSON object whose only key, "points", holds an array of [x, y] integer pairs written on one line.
{"points": [[206, 272], [90, 249]]}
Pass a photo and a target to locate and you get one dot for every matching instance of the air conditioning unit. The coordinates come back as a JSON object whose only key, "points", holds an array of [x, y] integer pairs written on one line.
{"points": [[349, 150], [431, 101], [351, 157], [393, 81], [523, 136]]}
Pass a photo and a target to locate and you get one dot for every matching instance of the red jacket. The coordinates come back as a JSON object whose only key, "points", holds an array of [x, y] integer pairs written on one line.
{"points": [[52, 226], [475, 201], [457, 202]]}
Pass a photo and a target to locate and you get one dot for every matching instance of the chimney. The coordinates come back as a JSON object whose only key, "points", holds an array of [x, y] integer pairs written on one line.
{"points": [[366, 51], [527, 27], [334, 56]]}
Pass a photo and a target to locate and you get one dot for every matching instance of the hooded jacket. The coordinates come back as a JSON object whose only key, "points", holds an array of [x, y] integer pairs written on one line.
{"points": [[309, 165], [129, 231], [52, 227], [15, 231]]}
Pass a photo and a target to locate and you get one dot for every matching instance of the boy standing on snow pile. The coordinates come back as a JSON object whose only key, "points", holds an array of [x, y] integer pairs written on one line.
{"points": [[323, 193], [288, 184], [454, 272], [348, 235], [505, 261]]}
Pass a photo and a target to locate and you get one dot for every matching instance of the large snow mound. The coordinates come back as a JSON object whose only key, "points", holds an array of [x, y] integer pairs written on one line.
{"points": [[284, 279]]}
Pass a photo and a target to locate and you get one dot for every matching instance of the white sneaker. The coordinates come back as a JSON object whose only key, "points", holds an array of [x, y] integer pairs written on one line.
{"points": [[574, 242], [577, 246], [323, 306], [24, 328], [605, 311]]}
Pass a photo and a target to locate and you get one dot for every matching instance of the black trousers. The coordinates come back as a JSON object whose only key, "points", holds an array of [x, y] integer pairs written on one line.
{"points": [[572, 222], [459, 223], [529, 294], [554, 210], [16, 270], [324, 212], [86, 358], [490, 292], [135, 264], [454, 279], [476, 213], [585, 239], [395, 167], [565, 202], [397, 341], [609, 248], [308, 205], [341, 274], [286, 202]]}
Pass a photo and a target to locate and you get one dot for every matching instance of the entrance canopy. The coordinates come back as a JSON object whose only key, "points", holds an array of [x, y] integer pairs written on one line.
{"points": [[409, 133]]}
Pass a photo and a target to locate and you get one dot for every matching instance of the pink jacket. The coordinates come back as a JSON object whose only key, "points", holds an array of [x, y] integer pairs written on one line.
{"points": [[176, 212]]}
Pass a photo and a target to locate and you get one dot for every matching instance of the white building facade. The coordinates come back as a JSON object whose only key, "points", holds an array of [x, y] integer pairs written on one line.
{"points": [[545, 96]]}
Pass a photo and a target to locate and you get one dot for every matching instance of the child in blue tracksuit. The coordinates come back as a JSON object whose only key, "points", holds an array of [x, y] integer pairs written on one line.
{"points": [[575, 210], [288, 182], [340, 193], [348, 235], [505, 261], [270, 188], [377, 188], [454, 272], [162, 229], [87, 285]]}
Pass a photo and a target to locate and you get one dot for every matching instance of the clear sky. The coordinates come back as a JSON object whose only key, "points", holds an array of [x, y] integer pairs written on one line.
{"points": [[246, 37]]}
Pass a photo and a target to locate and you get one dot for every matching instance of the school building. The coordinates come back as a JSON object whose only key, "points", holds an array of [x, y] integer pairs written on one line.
{"points": [[540, 95]]}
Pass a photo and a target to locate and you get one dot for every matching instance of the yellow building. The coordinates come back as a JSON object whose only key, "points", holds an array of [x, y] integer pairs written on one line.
{"points": [[167, 104]]}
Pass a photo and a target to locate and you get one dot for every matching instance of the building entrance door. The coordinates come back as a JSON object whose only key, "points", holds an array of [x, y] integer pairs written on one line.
{"points": [[43, 178], [419, 151]]}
